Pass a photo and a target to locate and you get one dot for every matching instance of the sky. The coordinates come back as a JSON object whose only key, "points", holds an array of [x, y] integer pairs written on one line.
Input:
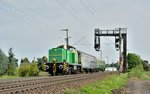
{"points": [[32, 27]]}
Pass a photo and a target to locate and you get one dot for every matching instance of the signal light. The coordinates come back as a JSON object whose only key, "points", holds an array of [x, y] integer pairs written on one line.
{"points": [[117, 45], [97, 40]]}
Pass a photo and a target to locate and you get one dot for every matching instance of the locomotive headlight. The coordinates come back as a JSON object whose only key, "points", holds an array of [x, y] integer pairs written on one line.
{"points": [[47, 67], [60, 66]]}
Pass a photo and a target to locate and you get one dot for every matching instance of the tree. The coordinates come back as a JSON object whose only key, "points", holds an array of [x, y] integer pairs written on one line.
{"points": [[44, 59], [12, 63], [25, 60], [133, 60], [145, 65], [41, 63], [116, 65], [3, 63]]}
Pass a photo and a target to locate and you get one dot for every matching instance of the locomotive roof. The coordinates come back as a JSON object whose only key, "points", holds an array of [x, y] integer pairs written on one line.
{"points": [[86, 53], [69, 46]]}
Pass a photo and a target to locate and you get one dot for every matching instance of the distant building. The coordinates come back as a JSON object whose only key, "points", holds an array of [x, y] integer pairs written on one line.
{"points": [[110, 69]]}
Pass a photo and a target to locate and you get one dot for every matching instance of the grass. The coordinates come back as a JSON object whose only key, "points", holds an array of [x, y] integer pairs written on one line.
{"points": [[113, 82], [139, 73], [146, 75], [102, 87], [42, 73], [9, 77], [17, 76]]}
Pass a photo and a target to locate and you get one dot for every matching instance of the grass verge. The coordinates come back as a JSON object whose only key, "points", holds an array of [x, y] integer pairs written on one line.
{"points": [[146, 76], [139, 73], [9, 77], [102, 87]]}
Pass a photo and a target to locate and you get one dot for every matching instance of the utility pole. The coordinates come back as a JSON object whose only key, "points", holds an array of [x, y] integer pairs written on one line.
{"points": [[67, 38]]}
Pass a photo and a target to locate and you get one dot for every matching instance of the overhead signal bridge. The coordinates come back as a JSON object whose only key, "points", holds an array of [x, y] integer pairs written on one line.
{"points": [[120, 35]]}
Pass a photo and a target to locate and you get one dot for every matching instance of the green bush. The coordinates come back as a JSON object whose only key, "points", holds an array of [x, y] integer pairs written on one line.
{"points": [[33, 69], [136, 72], [28, 69], [24, 70]]}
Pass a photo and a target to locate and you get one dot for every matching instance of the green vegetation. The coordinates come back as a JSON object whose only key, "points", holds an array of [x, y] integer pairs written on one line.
{"points": [[146, 75], [3, 63], [139, 73], [33, 69], [28, 69], [137, 66], [12, 63], [113, 82], [136, 72], [136, 69], [146, 66], [8, 64], [9, 77], [41, 63], [133, 60], [102, 87]]}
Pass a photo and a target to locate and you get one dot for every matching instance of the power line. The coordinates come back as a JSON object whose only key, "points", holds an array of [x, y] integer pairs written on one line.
{"points": [[97, 19], [16, 15], [10, 12], [38, 13], [109, 40], [81, 17], [90, 11], [70, 12], [79, 41], [20, 11]]}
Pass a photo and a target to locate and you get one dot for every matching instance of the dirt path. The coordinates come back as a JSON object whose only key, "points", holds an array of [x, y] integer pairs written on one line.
{"points": [[135, 86], [138, 87]]}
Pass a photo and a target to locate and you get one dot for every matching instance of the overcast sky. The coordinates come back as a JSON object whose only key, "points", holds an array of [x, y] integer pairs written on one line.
{"points": [[32, 27]]}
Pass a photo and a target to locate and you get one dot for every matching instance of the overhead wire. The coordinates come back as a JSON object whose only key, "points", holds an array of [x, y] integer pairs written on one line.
{"points": [[109, 40], [69, 11], [23, 13], [80, 16], [94, 15], [10, 12], [16, 15], [90, 11], [79, 40], [39, 14]]}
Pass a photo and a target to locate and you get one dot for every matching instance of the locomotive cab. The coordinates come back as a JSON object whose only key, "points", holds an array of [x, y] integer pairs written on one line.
{"points": [[66, 60]]}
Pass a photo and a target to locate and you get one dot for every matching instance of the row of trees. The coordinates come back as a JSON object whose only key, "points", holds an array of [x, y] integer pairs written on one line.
{"points": [[134, 60], [9, 65], [33, 68]]}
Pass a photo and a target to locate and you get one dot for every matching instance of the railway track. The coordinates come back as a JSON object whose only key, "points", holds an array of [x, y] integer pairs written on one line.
{"points": [[32, 85]]}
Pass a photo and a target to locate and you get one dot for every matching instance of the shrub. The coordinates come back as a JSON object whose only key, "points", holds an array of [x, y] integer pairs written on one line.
{"points": [[24, 70], [28, 69], [136, 72], [33, 69]]}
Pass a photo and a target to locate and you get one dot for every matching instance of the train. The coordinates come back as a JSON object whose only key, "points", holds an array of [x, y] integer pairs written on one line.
{"points": [[67, 60]]}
